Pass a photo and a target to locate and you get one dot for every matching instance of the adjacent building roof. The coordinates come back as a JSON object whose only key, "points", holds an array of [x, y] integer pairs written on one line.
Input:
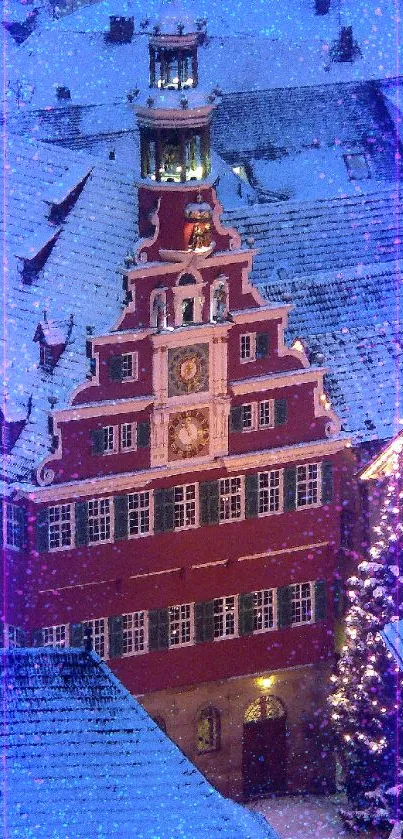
{"points": [[392, 635], [84, 759]]}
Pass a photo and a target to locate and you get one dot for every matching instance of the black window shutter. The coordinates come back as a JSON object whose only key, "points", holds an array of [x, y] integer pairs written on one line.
{"points": [[158, 622], [42, 530], [37, 638], [338, 598], [280, 411], [251, 495], [320, 600], [204, 621], [97, 441], [327, 482], [283, 606], [22, 527], [115, 626], [20, 637], [116, 368], [143, 434], [81, 523], [163, 510], [262, 345], [1, 635], [245, 614], [209, 502], [290, 488], [76, 635], [121, 516], [235, 418]]}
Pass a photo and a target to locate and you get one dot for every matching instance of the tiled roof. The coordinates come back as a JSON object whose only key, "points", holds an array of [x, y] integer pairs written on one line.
{"points": [[84, 759]]}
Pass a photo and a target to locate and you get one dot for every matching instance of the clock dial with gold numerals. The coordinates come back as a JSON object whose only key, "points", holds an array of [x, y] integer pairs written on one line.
{"points": [[188, 434], [188, 369]]}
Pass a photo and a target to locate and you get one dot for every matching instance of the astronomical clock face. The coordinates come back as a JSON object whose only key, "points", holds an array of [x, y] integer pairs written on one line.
{"points": [[188, 370], [188, 434]]}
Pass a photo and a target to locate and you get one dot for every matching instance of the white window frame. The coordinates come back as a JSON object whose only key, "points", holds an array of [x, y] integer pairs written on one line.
{"points": [[269, 489], [184, 503], [263, 594], [60, 507], [223, 601], [244, 359], [10, 637], [305, 481], [296, 596], [134, 363], [184, 622], [138, 626], [141, 506], [110, 433], [133, 427], [253, 415], [270, 403], [53, 632], [95, 624], [12, 524], [99, 501], [224, 495]]}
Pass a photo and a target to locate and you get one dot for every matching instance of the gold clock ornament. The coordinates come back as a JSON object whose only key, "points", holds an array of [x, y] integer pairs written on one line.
{"points": [[188, 370], [188, 434]]}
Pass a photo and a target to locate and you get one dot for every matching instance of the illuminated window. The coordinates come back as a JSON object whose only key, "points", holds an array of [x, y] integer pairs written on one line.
{"points": [[301, 603], [225, 617], [134, 633], [208, 730], [180, 625], [270, 492]]}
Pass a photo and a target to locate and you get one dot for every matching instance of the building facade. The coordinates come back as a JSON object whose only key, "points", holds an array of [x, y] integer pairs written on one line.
{"points": [[186, 519]]}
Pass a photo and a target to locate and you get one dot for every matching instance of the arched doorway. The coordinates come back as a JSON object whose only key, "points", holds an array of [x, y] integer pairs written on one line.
{"points": [[264, 747]]}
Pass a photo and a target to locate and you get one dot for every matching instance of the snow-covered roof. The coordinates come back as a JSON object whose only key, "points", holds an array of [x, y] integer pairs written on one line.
{"points": [[392, 635], [83, 758]]}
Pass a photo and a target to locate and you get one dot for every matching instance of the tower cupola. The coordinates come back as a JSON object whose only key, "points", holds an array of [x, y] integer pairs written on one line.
{"points": [[173, 49]]}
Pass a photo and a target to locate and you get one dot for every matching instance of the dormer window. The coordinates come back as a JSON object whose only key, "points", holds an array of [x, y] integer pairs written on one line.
{"points": [[46, 357], [52, 340]]}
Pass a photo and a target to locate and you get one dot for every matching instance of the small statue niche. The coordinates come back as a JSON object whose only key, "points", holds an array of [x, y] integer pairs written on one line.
{"points": [[159, 311], [220, 303], [200, 236]]}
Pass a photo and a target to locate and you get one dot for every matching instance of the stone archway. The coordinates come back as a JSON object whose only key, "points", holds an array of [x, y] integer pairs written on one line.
{"points": [[264, 747]]}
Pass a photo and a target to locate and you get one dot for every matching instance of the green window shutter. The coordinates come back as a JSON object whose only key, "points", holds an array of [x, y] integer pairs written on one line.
{"points": [[204, 621], [37, 638], [262, 345], [143, 435], [42, 530], [280, 411], [283, 606], [22, 527], [251, 495], [320, 600], [81, 523], [76, 635], [235, 418], [245, 614], [209, 502], [115, 625], [163, 510], [158, 623], [97, 441], [116, 368], [121, 516], [327, 482], [290, 488]]}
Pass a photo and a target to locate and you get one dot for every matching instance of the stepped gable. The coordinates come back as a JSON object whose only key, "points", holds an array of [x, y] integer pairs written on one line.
{"points": [[82, 753], [310, 236]]}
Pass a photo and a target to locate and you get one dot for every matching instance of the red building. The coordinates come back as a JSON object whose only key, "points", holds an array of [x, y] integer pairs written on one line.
{"points": [[187, 517]]}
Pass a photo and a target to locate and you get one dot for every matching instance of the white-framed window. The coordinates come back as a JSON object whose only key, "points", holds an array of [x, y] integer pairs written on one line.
{"points": [[110, 439], [130, 366], [46, 358], [13, 637], [180, 625], [13, 525], [307, 485], [301, 603], [231, 498], [60, 525], [128, 436], [139, 513], [99, 635], [99, 520], [185, 506], [134, 633], [55, 636], [225, 617], [247, 347], [270, 492], [266, 413], [249, 416], [264, 610]]}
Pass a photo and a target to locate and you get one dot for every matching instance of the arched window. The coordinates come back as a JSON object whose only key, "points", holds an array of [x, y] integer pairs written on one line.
{"points": [[264, 708], [208, 730]]}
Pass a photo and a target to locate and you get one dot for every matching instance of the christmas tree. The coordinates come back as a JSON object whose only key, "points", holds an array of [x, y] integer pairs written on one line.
{"points": [[365, 706]]}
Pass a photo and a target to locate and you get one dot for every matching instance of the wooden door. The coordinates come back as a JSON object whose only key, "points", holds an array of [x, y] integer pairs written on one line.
{"points": [[264, 756]]}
